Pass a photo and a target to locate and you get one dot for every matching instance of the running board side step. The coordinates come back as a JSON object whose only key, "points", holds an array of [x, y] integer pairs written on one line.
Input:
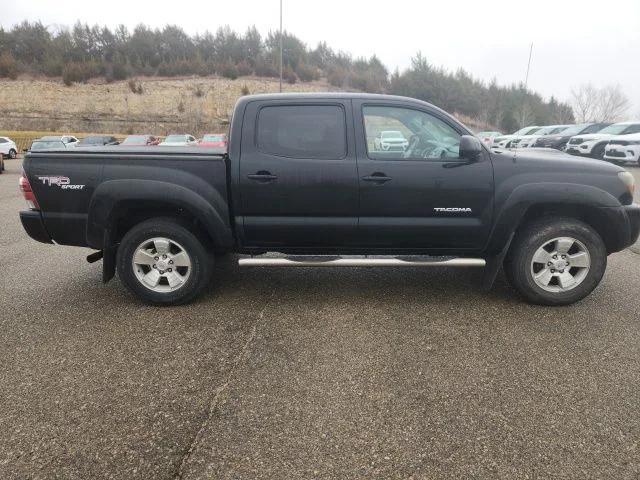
{"points": [[332, 261]]}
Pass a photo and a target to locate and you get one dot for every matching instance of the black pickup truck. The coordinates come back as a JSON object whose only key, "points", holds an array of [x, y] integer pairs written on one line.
{"points": [[332, 180]]}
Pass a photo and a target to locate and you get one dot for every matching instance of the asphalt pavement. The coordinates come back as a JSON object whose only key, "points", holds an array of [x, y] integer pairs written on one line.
{"points": [[302, 373]]}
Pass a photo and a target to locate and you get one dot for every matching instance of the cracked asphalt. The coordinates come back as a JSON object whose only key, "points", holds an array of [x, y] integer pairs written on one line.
{"points": [[351, 373]]}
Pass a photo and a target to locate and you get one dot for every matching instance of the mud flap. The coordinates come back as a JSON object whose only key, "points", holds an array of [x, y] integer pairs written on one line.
{"points": [[109, 257], [494, 263]]}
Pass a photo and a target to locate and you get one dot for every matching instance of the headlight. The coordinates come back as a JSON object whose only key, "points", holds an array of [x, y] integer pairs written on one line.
{"points": [[628, 181]]}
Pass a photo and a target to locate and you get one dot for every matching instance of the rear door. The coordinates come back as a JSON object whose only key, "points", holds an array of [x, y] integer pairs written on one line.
{"points": [[298, 174], [421, 195]]}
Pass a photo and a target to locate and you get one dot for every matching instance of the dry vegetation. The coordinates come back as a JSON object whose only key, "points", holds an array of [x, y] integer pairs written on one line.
{"points": [[142, 105]]}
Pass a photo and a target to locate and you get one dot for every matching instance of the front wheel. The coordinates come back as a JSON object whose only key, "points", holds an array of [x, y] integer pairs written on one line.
{"points": [[163, 263], [556, 261], [13, 154]]}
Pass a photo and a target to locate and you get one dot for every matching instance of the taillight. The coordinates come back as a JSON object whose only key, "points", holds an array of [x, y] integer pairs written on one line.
{"points": [[27, 192]]}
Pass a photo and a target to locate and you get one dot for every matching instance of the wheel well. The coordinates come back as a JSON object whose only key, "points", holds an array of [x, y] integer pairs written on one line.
{"points": [[129, 215], [592, 216]]}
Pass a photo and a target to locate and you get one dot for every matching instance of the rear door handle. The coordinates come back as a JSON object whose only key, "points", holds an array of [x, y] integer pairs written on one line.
{"points": [[262, 176], [377, 177]]}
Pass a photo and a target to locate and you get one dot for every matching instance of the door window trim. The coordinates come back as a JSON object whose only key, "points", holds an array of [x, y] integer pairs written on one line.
{"points": [[434, 114], [303, 104]]}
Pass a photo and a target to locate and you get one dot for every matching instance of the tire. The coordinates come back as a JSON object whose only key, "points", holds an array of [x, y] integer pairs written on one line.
{"points": [[176, 283], [598, 152], [13, 154], [553, 235]]}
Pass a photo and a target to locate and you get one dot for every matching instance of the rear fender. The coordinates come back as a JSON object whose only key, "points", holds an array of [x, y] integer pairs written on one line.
{"points": [[111, 199]]}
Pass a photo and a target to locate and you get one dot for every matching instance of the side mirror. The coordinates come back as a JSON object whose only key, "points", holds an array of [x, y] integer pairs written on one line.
{"points": [[470, 147]]}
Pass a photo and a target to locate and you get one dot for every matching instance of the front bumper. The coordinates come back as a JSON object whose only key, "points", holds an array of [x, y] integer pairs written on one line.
{"points": [[633, 214], [34, 226], [622, 153]]}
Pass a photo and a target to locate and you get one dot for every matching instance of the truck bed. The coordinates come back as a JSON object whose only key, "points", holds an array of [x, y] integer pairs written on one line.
{"points": [[80, 189]]}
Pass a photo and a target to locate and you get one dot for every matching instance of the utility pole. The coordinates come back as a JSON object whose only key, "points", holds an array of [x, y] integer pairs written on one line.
{"points": [[281, 47], [526, 82]]}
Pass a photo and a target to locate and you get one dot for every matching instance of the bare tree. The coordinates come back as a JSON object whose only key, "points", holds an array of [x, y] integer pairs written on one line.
{"points": [[614, 104], [591, 104]]}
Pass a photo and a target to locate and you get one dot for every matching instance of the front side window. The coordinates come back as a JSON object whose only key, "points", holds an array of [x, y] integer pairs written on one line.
{"points": [[404, 133], [635, 128], [303, 131]]}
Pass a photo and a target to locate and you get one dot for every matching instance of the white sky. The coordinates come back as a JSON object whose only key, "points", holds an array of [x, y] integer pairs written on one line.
{"points": [[575, 41]]}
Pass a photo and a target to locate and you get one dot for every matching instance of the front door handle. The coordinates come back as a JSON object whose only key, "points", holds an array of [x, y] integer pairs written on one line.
{"points": [[262, 176], [377, 177]]}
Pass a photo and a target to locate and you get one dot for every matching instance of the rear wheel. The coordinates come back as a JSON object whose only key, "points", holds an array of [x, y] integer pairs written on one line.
{"points": [[163, 263], [556, 261], [13, 154]]}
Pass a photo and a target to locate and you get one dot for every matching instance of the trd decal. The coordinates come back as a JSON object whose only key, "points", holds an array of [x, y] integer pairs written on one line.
{"points": [[63, 182]]}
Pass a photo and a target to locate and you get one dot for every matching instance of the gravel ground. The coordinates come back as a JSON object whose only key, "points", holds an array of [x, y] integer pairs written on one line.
{"points": [[321, 373]]}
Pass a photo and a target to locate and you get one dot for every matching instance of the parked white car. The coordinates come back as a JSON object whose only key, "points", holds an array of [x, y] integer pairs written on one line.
{"points": [[593, 145], [179, 141], [68, 140], [8, 147], [391, 140], [623, 148], [505, 141], [527, 141]]}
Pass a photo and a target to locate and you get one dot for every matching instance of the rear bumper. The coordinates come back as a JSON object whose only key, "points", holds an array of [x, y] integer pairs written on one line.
{"points": [[34, 226]]}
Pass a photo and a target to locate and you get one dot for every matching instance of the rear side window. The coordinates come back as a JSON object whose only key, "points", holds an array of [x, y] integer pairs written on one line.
{"points": [[303, 131], [635, 128]]}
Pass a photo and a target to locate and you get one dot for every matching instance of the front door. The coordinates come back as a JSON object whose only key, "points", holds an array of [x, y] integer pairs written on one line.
{"points": [[298, 174], [415, 190]]}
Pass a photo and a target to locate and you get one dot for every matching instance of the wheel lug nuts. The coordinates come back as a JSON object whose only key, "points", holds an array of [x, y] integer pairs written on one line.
{"points": [[553, 271], [549, 264], [156, 258], [561, 271], [164, 256], [161, 272], [154, 265], [170, 262], [169, 270]]}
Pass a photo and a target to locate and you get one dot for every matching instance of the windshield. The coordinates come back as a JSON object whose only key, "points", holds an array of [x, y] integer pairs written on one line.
{"points": [[392, 134], [615, 129], [546, 130], [92, 141], [213, 138], [526, 131], [176, 138], [574, 130], [46, 145]]}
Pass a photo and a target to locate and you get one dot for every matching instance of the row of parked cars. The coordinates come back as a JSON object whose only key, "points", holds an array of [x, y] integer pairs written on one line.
{"points": [[177, 140], [617, 142]]}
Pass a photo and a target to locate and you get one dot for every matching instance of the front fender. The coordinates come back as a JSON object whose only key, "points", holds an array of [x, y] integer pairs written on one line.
{"points": [[512, 210], [111, 196]]}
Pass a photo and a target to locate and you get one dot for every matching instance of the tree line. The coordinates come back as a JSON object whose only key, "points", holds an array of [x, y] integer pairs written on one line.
{"points": [[82, 52]]}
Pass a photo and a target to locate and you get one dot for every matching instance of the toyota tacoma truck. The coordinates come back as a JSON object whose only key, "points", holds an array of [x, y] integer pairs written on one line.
{"points": [[303, 185]]}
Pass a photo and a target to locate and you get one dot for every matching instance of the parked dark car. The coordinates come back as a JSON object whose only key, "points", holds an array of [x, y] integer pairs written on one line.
{"points": [[559, 141], [141, 140], [303, 181], [98, 141]]}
